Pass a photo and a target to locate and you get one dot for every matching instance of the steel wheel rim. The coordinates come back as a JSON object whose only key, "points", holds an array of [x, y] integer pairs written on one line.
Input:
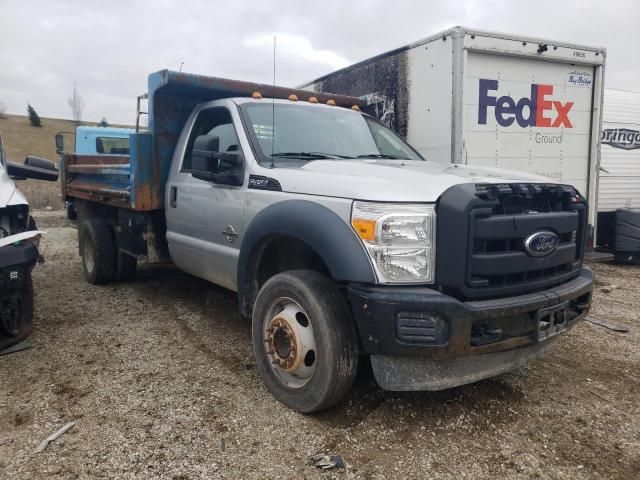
{"points": [[88, 255], [290, 344]]}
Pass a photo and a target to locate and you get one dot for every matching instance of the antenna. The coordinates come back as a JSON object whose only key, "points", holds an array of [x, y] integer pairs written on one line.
{"points": [[181, 64], [273, 103]]}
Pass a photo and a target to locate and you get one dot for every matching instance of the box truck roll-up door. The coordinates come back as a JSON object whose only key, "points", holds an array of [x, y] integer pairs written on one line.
{"points": [[529, 115]]}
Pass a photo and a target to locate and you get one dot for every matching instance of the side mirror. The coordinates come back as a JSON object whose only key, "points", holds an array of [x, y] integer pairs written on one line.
{"points": [[33, 167], [204, 153], [59, 143], [207, 163], [40, 163]]}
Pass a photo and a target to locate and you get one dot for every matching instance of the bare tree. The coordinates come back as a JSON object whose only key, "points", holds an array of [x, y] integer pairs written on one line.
{"points": [[3, 109], [76, 103]]}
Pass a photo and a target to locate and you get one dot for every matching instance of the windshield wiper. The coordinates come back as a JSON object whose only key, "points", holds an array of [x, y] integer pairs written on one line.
{"points": [[378, 155], [308, 155]]}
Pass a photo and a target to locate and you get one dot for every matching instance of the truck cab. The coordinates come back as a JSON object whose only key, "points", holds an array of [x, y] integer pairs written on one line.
{"points": [[343, 243], [102, 140]]}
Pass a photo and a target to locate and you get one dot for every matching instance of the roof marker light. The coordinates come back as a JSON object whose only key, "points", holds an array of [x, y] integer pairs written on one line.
{"points": [[355, 107], [256, 95], [313, 100], [331, 102], [293, 98]]}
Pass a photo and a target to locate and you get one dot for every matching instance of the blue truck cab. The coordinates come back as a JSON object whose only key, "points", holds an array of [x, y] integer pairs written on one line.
{"points": [[102, 140]]}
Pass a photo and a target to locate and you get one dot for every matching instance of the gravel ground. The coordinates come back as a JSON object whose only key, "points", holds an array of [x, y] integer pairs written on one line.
{"points": [[159, 377]]}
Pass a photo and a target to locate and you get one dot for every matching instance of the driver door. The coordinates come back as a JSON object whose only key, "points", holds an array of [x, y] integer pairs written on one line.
{"points": [[204, 219]]}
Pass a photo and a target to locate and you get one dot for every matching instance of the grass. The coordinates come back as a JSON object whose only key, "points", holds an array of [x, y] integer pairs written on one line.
{"points": [[22, 139]]}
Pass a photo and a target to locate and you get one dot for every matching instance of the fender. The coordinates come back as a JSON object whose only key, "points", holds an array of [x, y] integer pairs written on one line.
{"points": [[317, 226]]}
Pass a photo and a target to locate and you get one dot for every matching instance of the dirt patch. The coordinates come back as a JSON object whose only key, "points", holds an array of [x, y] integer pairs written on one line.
{"points": [[158, 376]]}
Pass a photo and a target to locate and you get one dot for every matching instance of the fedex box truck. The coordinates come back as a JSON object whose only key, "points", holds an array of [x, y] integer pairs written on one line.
{"points": [[489, 99]]}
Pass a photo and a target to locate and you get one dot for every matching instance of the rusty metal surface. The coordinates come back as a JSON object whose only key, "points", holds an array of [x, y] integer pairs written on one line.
{"points": [[97, 188], [114, 169], [97, 192], [210, 88], [75, 159]]}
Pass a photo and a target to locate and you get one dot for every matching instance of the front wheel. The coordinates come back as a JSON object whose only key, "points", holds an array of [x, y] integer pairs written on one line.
{"points": [[304, 340], [16, 316]]}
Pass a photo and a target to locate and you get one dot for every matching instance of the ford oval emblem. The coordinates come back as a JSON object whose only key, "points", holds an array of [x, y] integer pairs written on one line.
{"points": [[543, 243]]}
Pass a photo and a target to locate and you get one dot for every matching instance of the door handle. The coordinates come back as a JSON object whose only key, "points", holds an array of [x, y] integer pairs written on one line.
{"points": [[173, 199]]}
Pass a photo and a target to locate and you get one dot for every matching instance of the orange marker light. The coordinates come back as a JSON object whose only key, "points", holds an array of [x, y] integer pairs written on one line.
{"points": [[313, 100], [256, 95], [366, 229], [356, 108], [293, 98], [331, 102]]}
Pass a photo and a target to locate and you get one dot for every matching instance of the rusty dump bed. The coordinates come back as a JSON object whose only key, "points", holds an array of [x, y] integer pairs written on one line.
{"points": [[137, 180]]}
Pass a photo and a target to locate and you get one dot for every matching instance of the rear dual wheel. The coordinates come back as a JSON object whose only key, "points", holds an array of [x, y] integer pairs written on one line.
{"points": [[101, 261], [304, 340]]}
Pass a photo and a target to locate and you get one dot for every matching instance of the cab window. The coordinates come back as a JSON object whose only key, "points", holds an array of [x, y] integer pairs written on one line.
{"points": [[112, 145], [216, 122]]}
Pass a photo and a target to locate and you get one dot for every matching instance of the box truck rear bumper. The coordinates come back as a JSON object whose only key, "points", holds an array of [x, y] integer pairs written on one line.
{"points": [[423, 339]]}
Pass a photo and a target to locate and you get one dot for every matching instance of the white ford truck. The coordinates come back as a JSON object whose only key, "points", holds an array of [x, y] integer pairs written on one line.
{"points": [[343, 243]]}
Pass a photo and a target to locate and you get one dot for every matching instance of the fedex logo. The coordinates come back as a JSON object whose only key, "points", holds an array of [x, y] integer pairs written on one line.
{"points": [[541, 110]]}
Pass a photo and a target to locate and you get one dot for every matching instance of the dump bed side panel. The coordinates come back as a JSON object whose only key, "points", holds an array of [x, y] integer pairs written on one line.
{"points": [[126, 181], [98, 178]]}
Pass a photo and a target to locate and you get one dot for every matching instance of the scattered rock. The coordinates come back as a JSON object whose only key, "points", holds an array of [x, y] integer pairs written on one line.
{"points": [[326, 462]]}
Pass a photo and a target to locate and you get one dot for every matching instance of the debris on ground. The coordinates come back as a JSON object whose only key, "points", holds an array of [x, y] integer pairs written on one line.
{"points": [[18, 347], [328, 461], [45, 443], [607, 325]]}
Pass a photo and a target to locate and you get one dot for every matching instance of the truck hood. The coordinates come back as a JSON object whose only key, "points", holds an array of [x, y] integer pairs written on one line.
{"points": [[389, 180], [9, 194]]}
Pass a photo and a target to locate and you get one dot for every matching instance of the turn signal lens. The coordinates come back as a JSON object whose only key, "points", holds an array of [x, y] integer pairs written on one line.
{"points": [[366, 229]]}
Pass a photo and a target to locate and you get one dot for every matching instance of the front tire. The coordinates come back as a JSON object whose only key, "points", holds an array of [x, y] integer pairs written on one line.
{"points": [[304, 340], [98, 251], [16, 322]]}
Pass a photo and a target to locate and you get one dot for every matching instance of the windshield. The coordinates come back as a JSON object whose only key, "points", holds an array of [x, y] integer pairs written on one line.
{"points": [[310, 133]]}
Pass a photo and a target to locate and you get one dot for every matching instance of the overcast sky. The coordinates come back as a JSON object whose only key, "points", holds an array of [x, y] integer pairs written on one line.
{"points": [[108, 48]]}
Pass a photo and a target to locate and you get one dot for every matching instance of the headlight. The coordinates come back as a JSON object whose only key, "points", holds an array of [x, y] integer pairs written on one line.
{"points": [[400, 240]]}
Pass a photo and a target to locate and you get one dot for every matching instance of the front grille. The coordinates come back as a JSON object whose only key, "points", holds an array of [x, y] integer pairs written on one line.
{"points": [[495, 222]]}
